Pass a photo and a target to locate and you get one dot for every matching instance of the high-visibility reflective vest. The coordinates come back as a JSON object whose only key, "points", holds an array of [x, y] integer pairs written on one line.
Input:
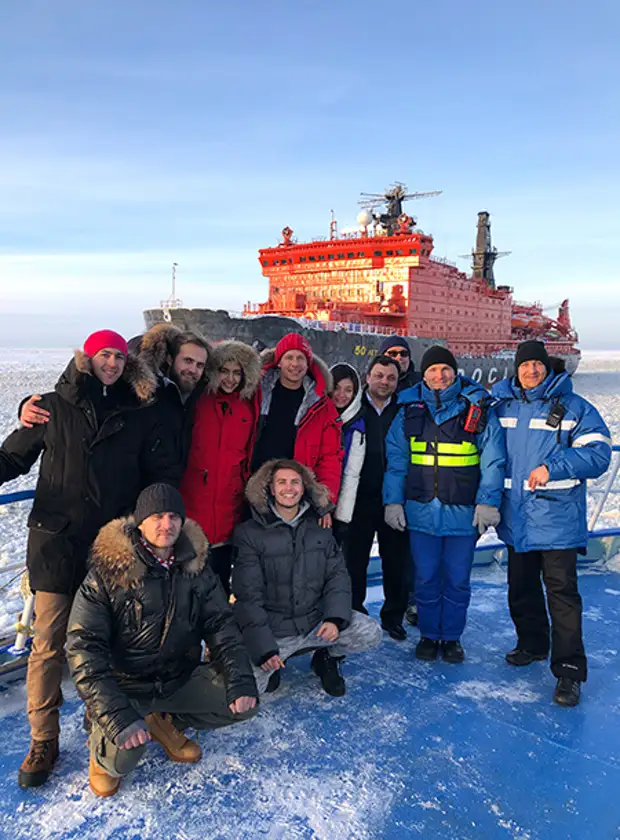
{"points": [[444, 461]]}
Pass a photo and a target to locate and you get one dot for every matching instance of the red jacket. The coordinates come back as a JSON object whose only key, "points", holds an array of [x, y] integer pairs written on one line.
{"points": [[223, 438], [318, 443]]}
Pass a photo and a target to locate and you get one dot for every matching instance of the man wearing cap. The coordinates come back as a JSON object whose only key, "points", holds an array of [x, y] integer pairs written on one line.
{"points": [[134, 641], [444, 481], [101, 446], [555, 441], [397, 347], [298, 419]]}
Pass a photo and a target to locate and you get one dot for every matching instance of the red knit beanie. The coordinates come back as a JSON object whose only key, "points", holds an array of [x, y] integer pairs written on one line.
{"points": [[104, 338], [293, 341]]}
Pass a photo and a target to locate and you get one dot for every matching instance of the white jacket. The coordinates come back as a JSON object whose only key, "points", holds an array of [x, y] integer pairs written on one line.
{"points": [[353, 465]]}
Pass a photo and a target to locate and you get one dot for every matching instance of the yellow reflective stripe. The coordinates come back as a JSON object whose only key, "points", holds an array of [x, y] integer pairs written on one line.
{"points": [[418, 445], [464, 448], [446, 460]]}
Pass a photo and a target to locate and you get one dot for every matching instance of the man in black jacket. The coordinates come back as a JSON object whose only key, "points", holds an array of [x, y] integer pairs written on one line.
{"points": [[101, 445], [380, 408], [290, 582], [134, 641]]}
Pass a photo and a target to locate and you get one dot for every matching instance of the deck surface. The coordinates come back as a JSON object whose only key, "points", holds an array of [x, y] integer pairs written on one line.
{"points": [[413, 750]]}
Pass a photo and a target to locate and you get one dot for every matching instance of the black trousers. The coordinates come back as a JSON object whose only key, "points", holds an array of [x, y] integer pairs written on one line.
{"points": [[220, 560], [529, 612], [394, 550]]}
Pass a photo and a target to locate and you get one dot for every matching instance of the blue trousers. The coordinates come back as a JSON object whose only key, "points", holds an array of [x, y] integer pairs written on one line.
{"points": [[442, 583]]}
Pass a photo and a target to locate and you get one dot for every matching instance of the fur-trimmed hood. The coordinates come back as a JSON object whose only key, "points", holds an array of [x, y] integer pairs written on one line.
{"points": [[258, 495], [317, 384], [353, 409], [156, 346], [242, 354], [136, 375], [114, 554]]}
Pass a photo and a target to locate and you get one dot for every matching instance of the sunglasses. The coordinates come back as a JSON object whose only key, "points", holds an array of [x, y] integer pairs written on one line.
{"points": [[394, 353]]}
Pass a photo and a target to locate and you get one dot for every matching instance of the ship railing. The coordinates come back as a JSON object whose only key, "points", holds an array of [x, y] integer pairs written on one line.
{"points": [[487, 551]]}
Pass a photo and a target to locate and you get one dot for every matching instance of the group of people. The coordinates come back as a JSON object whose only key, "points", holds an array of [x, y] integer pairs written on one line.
{"points": [[202, 514]]}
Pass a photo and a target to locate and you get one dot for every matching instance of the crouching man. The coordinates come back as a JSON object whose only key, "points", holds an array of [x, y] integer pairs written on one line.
{"points": [[134, 641], [292, 588]]}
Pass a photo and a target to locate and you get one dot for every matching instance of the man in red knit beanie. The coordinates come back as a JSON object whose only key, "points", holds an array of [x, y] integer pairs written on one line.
{"points": [[298, 419], [100, 445]]}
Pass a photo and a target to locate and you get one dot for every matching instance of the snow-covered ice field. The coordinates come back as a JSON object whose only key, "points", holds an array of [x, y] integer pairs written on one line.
{"points": [[413, 750]]}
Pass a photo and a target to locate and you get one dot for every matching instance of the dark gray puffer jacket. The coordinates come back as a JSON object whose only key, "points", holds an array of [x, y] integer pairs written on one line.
{"points": [[286, 579]]}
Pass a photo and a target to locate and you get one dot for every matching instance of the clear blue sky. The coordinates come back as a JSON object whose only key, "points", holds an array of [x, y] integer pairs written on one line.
{"points": [[137, 133]]}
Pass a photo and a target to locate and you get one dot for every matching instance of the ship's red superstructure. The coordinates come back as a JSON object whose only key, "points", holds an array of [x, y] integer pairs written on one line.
{"points": [[393, 284]]}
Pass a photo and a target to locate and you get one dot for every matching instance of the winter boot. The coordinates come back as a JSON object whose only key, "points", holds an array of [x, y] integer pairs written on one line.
{"points": [[327, 669], [567, 692], [174, 742], [100, 782], [37, 766], [395, 631], [520, 657], [411, 615], [274, 682], [427, 649], [452, 652]]}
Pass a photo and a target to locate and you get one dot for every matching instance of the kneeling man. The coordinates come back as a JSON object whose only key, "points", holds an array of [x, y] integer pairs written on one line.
{"points": [[292, 588], [134, 641]]}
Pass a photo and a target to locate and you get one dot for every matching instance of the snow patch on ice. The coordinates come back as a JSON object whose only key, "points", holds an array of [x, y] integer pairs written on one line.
{"points": [[612, 591], [481, 690]]}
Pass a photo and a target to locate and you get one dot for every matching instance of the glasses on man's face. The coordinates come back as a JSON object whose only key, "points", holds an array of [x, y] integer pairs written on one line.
{"points": [[394, 353]]}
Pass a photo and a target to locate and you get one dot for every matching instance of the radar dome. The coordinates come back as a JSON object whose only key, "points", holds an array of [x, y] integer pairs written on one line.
{"points": [[364, 218]]}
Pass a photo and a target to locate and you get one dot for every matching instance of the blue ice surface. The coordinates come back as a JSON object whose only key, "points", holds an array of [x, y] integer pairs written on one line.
{"points": [[414, 750]]}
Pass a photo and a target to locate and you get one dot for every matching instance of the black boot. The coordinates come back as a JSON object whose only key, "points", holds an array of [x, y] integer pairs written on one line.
{"points": [[567, 692], [274, 682], [395, 631], [327, 669], [427, 649], [411, 615], [452, 652], [520, 657]]}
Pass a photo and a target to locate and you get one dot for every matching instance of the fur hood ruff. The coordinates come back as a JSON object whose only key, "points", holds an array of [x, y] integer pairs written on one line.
{"points": [[242, 354], [156, 346], [136, 374], [318, 370], [257, 490], [114, 558]]}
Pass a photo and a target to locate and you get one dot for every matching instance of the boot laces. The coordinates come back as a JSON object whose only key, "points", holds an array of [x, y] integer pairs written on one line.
{"points": [[38, 751]]}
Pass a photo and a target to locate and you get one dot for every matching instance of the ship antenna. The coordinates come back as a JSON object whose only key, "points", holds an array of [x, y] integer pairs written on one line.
{"points": [[333, 226], [174, 280], [173, 302]]}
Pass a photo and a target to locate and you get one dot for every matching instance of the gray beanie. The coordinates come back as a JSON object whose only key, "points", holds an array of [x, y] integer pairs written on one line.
{"points": [[158, 498]]}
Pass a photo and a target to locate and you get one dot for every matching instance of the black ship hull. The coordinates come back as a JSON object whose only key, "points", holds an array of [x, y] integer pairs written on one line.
{"points": [[331, 345]]}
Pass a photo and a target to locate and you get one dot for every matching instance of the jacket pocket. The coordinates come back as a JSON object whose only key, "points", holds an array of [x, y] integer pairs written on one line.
{"points": [[46, 522]]}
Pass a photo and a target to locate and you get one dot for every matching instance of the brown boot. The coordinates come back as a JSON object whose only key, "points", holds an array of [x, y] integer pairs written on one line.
{"points": [[100, 782], [176, 745], [37, 765]]}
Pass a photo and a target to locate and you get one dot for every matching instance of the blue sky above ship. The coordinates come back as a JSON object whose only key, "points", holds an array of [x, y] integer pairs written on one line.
{"points": [[135, 135]]}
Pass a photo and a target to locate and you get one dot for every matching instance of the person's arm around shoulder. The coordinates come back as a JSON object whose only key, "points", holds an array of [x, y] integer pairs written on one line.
{"points": [[90, 633], [590, 451], [21, 449]]}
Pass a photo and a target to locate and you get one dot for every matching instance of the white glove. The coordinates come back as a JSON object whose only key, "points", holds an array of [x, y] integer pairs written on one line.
{"points": [[394, 516], [485, 516]]}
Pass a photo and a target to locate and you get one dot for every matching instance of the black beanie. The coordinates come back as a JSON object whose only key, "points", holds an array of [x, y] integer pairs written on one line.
{"points": [[393, 341], [158, 498], [438, 355], [530, 351]]}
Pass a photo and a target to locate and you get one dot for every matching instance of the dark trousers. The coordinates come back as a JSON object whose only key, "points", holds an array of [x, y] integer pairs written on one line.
{"points": [[529, 613], [220, 560], [394, 550]]}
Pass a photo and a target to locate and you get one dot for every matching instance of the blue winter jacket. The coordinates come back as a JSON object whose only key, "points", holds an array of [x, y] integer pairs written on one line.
{"points": [[434, 517], [553, 516]]}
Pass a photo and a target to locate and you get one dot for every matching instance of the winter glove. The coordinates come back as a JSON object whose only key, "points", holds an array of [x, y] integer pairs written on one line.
{"points": [[485, 516], [394, 516]]}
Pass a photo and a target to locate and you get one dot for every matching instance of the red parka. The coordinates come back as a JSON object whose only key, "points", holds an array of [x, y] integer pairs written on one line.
{"points": [[223, 438], [318, 443]]}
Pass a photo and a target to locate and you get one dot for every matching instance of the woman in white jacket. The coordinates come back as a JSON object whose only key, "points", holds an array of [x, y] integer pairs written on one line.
{"points": [[347, 397]]}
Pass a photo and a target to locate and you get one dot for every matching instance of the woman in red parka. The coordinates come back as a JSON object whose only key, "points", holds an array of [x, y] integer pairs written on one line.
{"points": [[225, 424]]}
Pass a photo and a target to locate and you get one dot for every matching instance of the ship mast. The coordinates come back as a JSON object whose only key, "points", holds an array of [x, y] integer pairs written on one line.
{"points": [[485, 254], [393, 198]]}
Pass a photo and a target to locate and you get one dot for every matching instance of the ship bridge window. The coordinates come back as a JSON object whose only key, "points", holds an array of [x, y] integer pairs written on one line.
{"points": [[350, 255], [399, 252], [390, 253], [265, 262], [377, 253], [330, 256], [413, 250], [340, 256], [312, 259], [321, 256], [302, 259], [361, 254]]}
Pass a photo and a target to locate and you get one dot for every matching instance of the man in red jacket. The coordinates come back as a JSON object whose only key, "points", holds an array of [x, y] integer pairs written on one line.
{"points": [[298, 420]]}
